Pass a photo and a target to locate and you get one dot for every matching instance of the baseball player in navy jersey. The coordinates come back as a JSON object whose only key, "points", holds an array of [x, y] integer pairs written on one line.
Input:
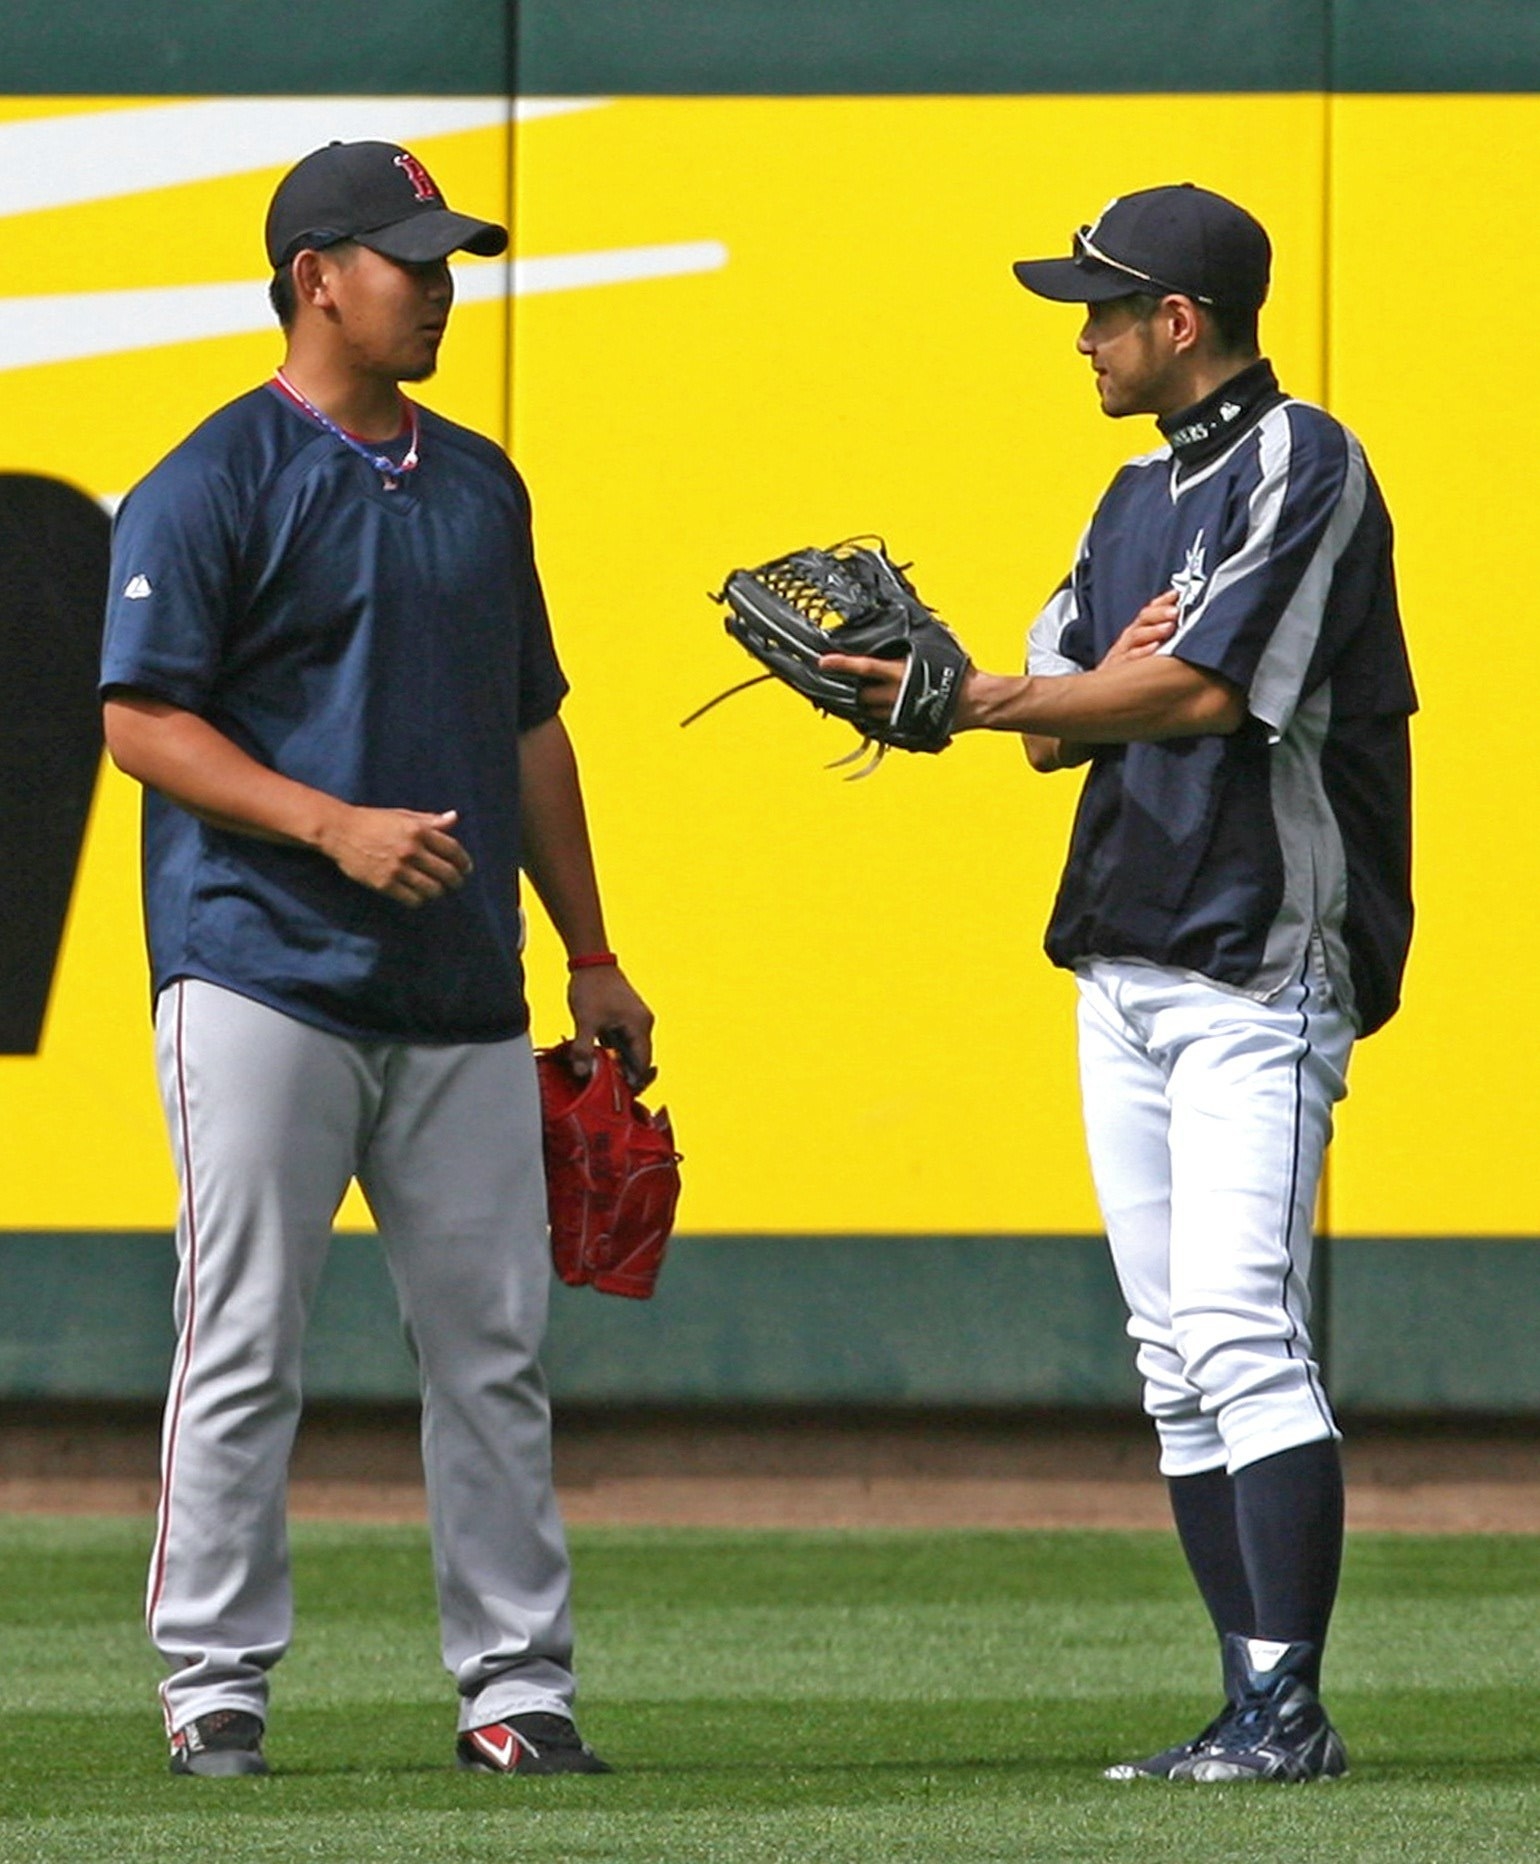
{"points": [[329, 663], [1226, 659]]}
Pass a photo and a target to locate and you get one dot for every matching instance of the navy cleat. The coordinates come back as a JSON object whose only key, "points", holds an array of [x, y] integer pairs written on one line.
{"points": [[527, 1744], [219, 1745], [1163, 1765], [1278, 1729]]}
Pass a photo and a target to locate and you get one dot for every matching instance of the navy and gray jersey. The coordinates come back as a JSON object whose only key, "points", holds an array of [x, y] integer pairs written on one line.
{"points": [[1233, 856], [386, 647]]}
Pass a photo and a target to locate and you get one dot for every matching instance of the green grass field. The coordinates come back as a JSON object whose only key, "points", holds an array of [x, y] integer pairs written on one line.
{"points": [[931, 1698]]}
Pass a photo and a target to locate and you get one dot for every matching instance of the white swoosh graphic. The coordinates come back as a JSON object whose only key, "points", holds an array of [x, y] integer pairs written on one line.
{"points": [[571, 271], [99, 155], [65, 328]]}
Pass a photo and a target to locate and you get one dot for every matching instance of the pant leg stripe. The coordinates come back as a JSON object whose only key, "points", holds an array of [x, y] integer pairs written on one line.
{"points": [[1312, 1375], [189, 1328]]}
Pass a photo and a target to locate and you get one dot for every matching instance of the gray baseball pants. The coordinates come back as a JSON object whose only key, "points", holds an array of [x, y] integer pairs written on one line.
{"points": [[270, 1119]]}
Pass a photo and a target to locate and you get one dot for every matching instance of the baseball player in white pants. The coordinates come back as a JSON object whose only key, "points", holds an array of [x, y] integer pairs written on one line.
{"points": [[1207, 1118], [1226, 660], [328, 659]]}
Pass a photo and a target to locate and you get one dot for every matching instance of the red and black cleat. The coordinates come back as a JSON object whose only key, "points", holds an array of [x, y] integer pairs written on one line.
{"points": [[527, 1744]]}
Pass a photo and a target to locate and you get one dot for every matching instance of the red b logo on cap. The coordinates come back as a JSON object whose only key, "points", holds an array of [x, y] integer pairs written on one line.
{"points": [[421, 180]]}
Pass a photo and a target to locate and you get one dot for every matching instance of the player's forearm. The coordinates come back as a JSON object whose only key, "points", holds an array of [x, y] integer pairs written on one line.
{"points": [[197, 767], [558, 856], [1133, 701]]}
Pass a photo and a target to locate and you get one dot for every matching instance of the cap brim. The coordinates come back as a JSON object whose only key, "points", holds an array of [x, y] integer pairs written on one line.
{"points": [[434, 235], [1077, 281]]}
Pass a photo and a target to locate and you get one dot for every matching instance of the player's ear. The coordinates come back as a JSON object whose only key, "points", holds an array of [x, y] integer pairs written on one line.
{"points": [[312, 279], [1184, 320]]}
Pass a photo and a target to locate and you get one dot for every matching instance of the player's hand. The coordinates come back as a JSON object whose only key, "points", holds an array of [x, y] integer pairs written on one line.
{"points": [[1149, 630], [605, 1009], [405, 854], [880, 681]]}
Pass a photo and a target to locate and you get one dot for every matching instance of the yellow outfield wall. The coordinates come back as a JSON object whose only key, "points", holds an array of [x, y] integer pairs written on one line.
{"points": [[742, 324]]}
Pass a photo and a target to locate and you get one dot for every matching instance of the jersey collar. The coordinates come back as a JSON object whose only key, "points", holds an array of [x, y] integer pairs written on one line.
{"points": [[1202, 432]]}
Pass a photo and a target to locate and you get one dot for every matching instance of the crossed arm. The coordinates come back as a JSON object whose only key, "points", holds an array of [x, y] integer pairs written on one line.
{"points": [[1135, 694]]}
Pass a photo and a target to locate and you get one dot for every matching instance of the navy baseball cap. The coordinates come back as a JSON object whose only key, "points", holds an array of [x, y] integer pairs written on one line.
{"points": [[1180, 238], [377, 194]]}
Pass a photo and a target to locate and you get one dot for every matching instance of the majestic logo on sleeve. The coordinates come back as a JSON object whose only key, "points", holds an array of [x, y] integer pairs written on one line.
{"points": [[421, 180], [1190, 579], [136, 588]]}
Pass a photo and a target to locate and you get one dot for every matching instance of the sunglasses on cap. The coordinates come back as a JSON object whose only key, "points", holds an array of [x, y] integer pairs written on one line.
{"points": [[1085, 248]]}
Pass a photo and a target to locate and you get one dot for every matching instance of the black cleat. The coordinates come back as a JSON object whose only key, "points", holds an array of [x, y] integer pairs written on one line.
{"points": [[527, 1744], [1163, 1765], [1170, 1763], [219, 1745], [1277, 1730]]}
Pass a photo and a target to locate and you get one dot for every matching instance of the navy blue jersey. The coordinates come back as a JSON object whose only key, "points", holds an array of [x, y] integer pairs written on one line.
{"points": [[387, 647], [1231, 856]]}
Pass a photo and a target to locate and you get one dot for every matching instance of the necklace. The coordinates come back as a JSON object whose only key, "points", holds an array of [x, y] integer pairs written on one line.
{"points": [[391, 472]]}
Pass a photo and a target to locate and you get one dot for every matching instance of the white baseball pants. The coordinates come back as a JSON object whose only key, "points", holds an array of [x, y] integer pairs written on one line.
{"points": [[269, 1120], [1207, 1117]]}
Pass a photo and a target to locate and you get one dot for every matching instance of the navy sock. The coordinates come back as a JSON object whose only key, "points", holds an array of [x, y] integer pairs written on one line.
{"points": [[1288, 1517], [1204, 1508]]}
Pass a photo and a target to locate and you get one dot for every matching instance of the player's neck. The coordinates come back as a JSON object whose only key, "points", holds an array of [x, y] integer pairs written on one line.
{"points": [[366, 405], [1203, 376]]}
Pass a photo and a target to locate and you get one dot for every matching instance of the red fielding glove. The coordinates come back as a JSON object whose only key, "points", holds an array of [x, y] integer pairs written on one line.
{"points": [[612, 1176]]}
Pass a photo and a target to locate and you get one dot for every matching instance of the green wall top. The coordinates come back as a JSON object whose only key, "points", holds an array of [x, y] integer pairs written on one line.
{"points": [[768, 47], [159, 48], [938, 47]]}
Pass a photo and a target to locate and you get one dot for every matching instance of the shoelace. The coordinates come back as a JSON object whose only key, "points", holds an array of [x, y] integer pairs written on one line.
{"points": [[1251, 1714]]}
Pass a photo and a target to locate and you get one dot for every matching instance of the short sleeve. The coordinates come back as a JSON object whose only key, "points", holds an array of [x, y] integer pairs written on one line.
{"points": [[542, 684], [1044, 652], [1256, 616], [172, 584], [1052, 637]]}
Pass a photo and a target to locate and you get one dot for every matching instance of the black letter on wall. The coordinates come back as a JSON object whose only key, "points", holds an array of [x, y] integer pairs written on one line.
{"points": [[53, 586]]}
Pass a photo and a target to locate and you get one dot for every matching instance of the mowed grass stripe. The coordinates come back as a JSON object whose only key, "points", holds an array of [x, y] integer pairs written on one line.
{"points": [[791, 1696]]}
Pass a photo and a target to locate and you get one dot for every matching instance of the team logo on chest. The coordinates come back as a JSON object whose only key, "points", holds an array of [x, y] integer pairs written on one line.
{"points": [[421, 180], [1190, 580]]}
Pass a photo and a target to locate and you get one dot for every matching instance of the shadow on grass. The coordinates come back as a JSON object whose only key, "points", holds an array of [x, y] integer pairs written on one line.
{"points": [[720, 1773]]}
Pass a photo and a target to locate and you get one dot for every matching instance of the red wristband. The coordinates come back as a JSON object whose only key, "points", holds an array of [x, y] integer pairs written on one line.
{"points": [[591, 960]]}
